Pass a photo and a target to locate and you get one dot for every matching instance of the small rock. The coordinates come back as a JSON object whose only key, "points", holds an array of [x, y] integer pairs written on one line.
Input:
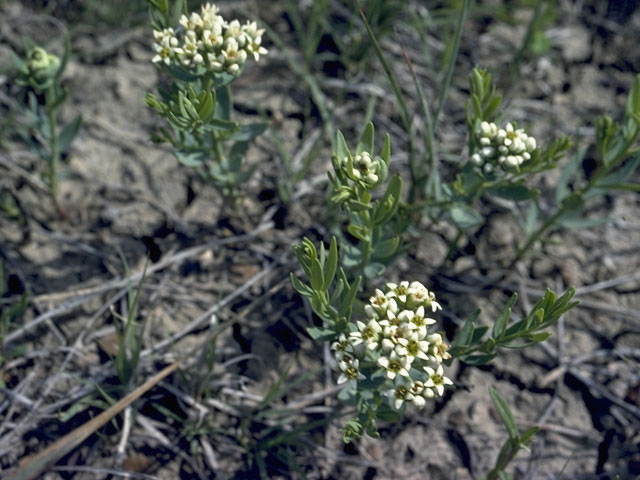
{"points": [[575, 42]]}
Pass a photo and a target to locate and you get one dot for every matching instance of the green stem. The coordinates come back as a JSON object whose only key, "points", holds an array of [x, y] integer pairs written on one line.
{"points": [[54, 149]]}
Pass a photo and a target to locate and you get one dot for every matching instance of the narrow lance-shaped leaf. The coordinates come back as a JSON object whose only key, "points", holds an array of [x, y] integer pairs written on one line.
{"points": [[349, 297], [365, 144], [331, 266], [500, 325], [505, 414]]}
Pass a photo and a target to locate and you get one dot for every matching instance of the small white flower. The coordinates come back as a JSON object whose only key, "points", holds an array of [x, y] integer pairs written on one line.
{"points": [[394, 365], [369, 334], [212, 38], [399, 291], [400, 394], [392, 336], [418, 322], [193, 22], [254, 40], [350, 372], [438, 350], [437, 380], [234, 58], [413, 347], [210, 17], [342, 348], [235, 31]]}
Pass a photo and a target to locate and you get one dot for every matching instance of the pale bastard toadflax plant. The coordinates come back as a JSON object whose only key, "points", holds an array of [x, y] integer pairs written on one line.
{"points": [[203, 53]]}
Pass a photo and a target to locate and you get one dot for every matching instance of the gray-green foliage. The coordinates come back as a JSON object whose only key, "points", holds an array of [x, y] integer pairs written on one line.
{"points": [[473, 346], [40, 73], [618, 157], [374, 223]]}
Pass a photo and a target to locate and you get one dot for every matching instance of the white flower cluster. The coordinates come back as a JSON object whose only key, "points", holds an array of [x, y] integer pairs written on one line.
{"points": [[505, 147], [395, 341], [365, 168], [207, 39]]}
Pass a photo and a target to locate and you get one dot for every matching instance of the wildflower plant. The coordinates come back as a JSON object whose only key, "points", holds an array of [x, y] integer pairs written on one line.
{"points": [[501, 156], [40, 73], [391, 355], [388, 354], [202, 53]]}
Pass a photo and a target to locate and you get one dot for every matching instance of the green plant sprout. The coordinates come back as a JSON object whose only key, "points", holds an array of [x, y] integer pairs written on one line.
{"points": [[40, 72], [202, 58]]}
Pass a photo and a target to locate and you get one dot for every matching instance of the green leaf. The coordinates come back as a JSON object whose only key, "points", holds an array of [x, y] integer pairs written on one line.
{"points": [[581, 223], [516, 193], [357, 231], [16, 309], [236, 155], [190, 159], [342, 150], [225, 125], [479, 359], [464, 216], [387, 414], [531, 219], [373, 270], [223, 103], [322, 334], [528, 434], [365, 144], [331, 266], [478, 334], [386, 248], [300, 287], [317, 280], [207, 105], [629, 187], [386, 150], [348, 298], [505, 414], [388, 204], [500, 324], [464, 336], [538, 337], [68, 133]]}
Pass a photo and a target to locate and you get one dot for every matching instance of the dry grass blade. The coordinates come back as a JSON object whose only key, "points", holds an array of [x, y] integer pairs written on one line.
{"points": [[33, 467]]}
